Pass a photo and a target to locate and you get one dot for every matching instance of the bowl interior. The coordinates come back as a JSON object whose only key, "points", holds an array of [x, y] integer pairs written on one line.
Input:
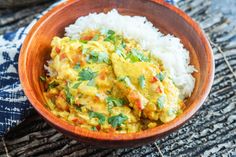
{"points": [[169, 20]]}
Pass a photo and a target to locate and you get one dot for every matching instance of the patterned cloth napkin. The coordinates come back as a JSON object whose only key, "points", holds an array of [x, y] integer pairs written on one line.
{"points": [[14, 106]]}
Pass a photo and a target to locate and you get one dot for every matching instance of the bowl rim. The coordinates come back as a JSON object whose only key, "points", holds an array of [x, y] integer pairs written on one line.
{"points": [[78, 131]]}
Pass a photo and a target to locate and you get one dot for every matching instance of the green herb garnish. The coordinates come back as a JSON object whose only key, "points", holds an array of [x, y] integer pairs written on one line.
{"points": [[93, 56], [103, 57], [110, 32], [93, 128], [76, 85], [160, 76], [141, 81], [117, 120], [110, 36], [42, 78], [87, 74], [77, 66], [52, 85], [100, 116], [123, 44], [99, 57], [84, 50], [78, 108], [69, 97], [120, 51], [161, 101], [84, 41], [112, 102], [96, 37], [125, 79], [91, 82], [135, 56]]}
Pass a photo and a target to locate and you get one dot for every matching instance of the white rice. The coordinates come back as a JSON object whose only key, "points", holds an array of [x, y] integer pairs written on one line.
{"points": [[166, 47]]}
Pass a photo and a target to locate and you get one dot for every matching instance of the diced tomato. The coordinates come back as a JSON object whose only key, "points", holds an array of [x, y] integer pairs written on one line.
{"points": [[82, 61], [78, 120], [111, 129], [153, 80], [57, 50], [77, 103], [62, 56], [74, 119], [86, 37], [139, 104], [159, 90], [96, 99], [102, 75], [76, 59], [98, 127], [133, 95]]}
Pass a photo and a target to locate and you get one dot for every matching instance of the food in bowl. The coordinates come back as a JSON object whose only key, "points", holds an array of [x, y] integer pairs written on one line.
{"points": [[116, 73]]}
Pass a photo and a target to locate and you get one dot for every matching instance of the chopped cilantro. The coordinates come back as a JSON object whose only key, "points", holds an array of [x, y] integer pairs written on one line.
{"points": [[160, 76], [120, 51], [93, 56], [115, 101], [161, 101], [110, 36], [117, 120], [135, 56], [84, 41], [111, 102], [125, 79], [69, 97], [42, 78], [53, 85], [77, 66], [109, 107], [91, 82], [103, 57], [110, 32], [141, 81], [93, 128], [100, 116], [99, 57], [96, 37], [84, 50], [76, 85], [123, 44], [87, 74], [78, 108]]}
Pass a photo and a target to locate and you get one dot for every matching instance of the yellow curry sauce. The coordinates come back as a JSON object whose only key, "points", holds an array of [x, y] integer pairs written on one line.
{"points": [[105, 82]]}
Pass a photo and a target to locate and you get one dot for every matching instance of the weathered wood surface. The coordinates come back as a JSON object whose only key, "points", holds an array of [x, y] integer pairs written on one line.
{"points": [[19, 3], [211, 132], [12, 19]]}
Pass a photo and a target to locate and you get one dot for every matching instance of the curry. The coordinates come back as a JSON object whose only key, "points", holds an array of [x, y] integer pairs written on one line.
{"points": [[106, 82]]}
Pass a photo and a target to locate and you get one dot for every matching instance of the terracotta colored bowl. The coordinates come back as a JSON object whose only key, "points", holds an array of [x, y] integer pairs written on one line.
{"points": [[36, 49]]}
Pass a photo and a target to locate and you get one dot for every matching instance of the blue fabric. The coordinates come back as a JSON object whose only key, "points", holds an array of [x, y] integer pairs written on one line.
{"points": [[13, 103]]}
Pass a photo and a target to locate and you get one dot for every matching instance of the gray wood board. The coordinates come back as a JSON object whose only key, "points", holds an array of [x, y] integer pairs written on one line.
{"points": [[211, 132]]}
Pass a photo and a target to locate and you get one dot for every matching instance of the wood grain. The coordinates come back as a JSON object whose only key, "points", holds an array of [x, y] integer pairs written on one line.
{"points": [[14, 18], [164, 16], [19, 3]]}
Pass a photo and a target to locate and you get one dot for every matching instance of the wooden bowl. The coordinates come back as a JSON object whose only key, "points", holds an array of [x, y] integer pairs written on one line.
{"points": [[36, 49]]}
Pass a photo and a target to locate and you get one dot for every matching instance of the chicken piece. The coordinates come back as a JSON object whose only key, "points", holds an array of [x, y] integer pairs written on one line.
{"points": [[158, 99]]}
